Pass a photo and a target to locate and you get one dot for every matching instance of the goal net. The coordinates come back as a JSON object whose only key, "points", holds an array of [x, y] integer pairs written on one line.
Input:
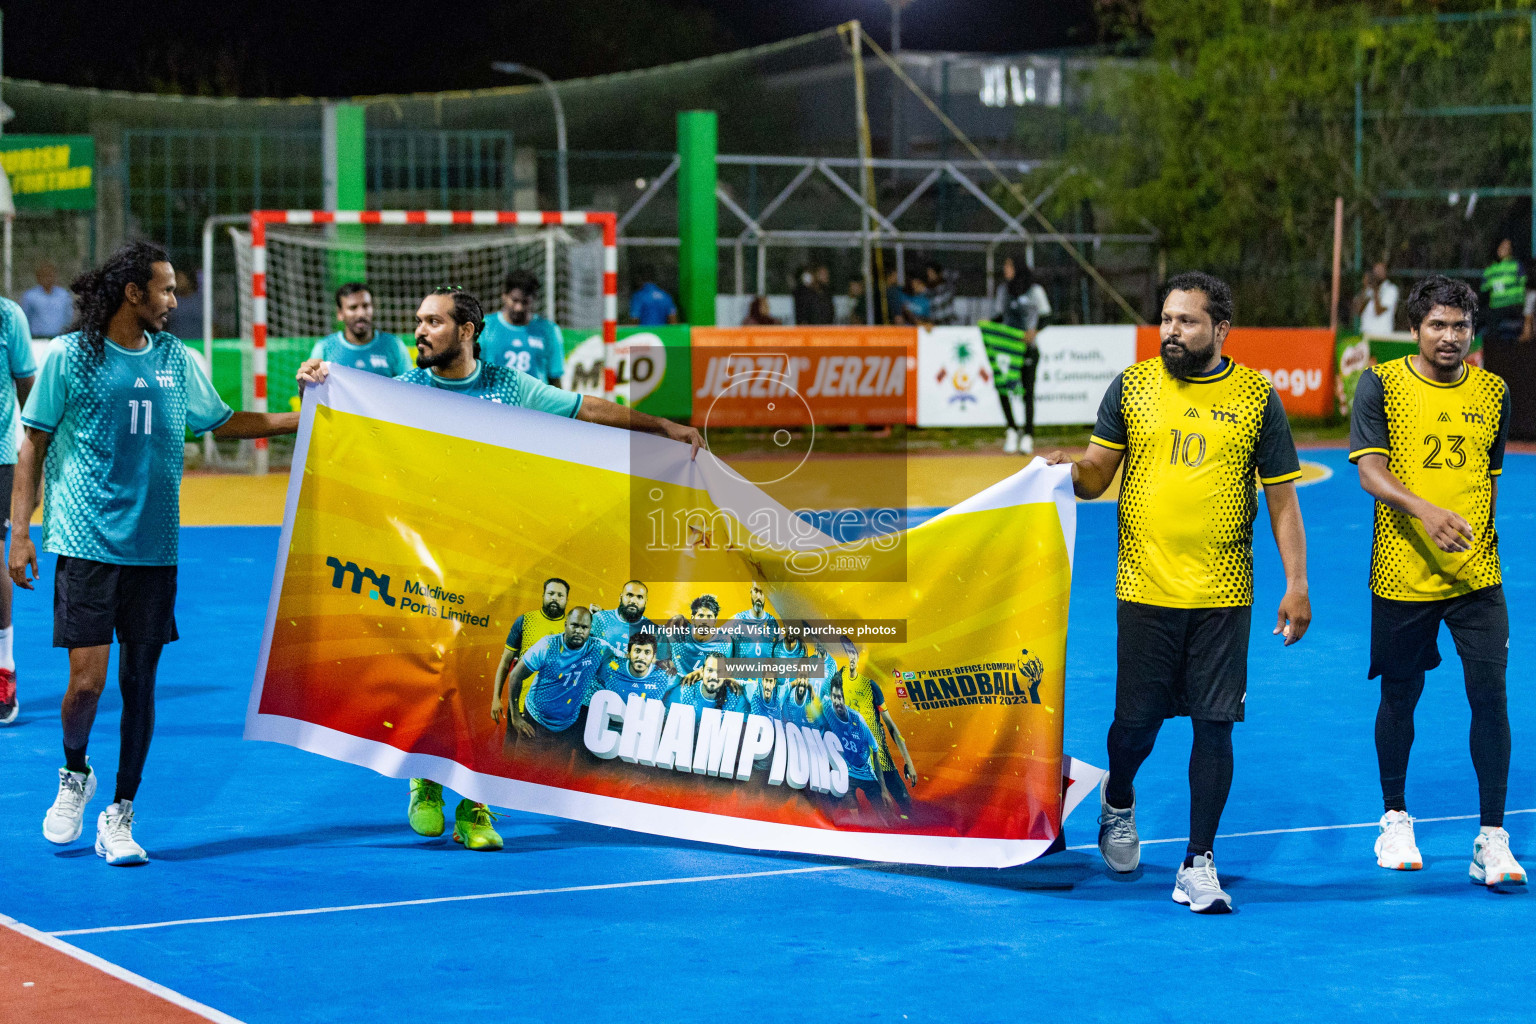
{"points": [[289, 264]]}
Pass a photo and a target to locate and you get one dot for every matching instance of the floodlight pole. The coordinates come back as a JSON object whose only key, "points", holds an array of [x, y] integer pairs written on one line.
{"points": [[562, 180]]}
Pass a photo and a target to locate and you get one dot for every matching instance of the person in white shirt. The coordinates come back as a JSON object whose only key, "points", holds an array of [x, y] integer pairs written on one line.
{"points": [[1377, 302]]}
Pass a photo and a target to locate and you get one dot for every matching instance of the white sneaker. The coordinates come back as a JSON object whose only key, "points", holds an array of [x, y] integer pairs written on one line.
{"points": [[1198, 888], [1395, 847], [114, 836], [1010, 442], [65, 820], [1027, 444], [1492, 863]]}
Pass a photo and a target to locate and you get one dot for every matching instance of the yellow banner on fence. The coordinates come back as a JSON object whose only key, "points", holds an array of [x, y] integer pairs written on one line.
{"points": [[689, 657]]}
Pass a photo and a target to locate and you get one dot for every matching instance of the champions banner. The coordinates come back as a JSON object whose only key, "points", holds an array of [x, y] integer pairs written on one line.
{"points": [[903, 703]]}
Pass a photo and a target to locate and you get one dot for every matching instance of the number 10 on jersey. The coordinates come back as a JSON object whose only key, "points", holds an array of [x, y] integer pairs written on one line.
{"points": [[1192, 450], [136, 414]]}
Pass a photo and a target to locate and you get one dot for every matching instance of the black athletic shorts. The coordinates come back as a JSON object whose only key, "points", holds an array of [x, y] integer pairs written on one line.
{"points": [[897, 786], [1181, 662], [1404, 633], [92, 600], [7, 478], [871, 788]]}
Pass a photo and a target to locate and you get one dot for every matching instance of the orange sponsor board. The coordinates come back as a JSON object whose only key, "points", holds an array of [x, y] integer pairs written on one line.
{"points": [[1299, 361], [799, 376]]}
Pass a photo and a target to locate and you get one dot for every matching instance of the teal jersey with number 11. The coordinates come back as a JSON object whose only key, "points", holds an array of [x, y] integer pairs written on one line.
{"points": [[118, 416]]}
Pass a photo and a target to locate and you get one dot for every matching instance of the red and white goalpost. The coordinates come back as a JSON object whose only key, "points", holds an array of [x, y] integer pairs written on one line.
{"points": [[464, 255]]}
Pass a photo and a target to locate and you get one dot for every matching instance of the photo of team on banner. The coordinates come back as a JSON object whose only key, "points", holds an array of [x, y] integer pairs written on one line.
{"points": [[561, 657]]}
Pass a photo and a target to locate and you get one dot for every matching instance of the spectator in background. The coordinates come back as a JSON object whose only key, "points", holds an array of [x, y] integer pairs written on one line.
{"points": [[1528, 329], [1004, 296], [895, 311], [803, 295], [50, 308], [919, 307], [942, 284], [649, 305], [1014, 354], [1504, 281], [186, 320], [758, 314], [824, 308], [1376, 305], [860, 314]]}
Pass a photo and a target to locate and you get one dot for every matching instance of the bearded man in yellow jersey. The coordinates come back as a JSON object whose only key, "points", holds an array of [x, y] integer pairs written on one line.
{"points": [[1427, 433], [1193, 429]]}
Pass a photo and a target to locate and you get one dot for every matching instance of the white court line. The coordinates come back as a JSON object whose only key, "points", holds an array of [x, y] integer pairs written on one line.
{"points": [[856, 866], [120, 973], [479, 896], [1284, 831]]}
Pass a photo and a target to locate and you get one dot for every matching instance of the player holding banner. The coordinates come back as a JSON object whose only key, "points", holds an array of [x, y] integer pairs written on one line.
{"points": [[1192, 427], [1428, 434], [449, 322]]}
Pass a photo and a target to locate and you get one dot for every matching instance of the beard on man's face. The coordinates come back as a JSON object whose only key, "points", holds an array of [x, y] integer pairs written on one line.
{"points": [[438, 357], [1186, 362]]}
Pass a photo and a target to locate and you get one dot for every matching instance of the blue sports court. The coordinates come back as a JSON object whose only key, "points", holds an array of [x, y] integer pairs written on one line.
{"points": [[287, 887]]}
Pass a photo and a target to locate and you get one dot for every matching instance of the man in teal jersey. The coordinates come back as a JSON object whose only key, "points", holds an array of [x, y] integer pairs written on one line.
{"points": [[633, 671], [357, 344], [16, 351], [800, 705], [755, 630], [704, 638], [563, 667], [858, 746], [707, 687], [449, 323], [616, 626], [1504, 281], [519, 338], [104, 430]]}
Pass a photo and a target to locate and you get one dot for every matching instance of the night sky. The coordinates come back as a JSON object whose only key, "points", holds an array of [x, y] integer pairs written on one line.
{"points": [[344, 47]]}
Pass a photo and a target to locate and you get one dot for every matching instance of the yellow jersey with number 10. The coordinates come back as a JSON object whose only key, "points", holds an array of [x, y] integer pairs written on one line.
{"points": [[1445, 442], [1188, 499]]}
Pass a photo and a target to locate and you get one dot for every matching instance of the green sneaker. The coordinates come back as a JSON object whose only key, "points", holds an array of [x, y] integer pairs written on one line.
{"points": [[425, 811], [472, 827]]}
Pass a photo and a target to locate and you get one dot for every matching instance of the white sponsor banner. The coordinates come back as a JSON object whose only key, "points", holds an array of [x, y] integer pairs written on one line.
{"points": [[1077, 364]]}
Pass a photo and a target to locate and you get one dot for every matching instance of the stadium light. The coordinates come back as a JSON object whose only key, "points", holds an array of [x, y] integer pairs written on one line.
{"points": [[507, 67]]}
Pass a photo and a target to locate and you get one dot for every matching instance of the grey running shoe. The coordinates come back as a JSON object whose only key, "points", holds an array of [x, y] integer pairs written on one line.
{"points": [[1198, 888], [1118, 842]]}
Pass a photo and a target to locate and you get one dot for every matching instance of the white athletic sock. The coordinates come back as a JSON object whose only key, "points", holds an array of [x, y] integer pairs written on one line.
{"points": [[6, 660], [1489, 830]]}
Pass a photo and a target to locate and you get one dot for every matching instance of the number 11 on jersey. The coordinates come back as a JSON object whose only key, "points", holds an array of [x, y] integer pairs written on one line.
{"points": [[133, 414]]}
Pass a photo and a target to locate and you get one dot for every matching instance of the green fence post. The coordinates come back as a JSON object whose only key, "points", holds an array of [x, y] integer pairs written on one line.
{"points": [[346, 182], [697, 260]]}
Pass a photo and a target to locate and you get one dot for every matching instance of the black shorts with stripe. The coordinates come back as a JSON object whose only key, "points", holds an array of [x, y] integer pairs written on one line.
{"points": [[1175, 662]]}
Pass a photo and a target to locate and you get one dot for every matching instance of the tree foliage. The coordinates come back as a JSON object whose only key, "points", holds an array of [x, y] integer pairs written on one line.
{"points": [[1234, 129]]}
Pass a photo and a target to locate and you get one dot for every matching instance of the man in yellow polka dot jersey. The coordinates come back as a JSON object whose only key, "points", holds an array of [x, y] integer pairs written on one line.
{"points": [[1428, 432], [1193, 429]]}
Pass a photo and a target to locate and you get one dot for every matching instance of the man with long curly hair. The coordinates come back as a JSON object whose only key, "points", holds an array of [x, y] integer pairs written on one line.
{"points": [[104, 429]]}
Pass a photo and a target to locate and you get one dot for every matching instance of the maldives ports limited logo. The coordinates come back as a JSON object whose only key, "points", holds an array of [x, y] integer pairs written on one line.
{"points": [[419, 598], [357, 574]]}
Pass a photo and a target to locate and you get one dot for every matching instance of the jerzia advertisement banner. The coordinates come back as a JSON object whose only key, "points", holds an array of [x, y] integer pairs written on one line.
{"points": [[568, 619]]}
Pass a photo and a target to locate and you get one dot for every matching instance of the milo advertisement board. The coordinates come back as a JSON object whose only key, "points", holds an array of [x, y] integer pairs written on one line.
{"points": [[653, 373]]}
